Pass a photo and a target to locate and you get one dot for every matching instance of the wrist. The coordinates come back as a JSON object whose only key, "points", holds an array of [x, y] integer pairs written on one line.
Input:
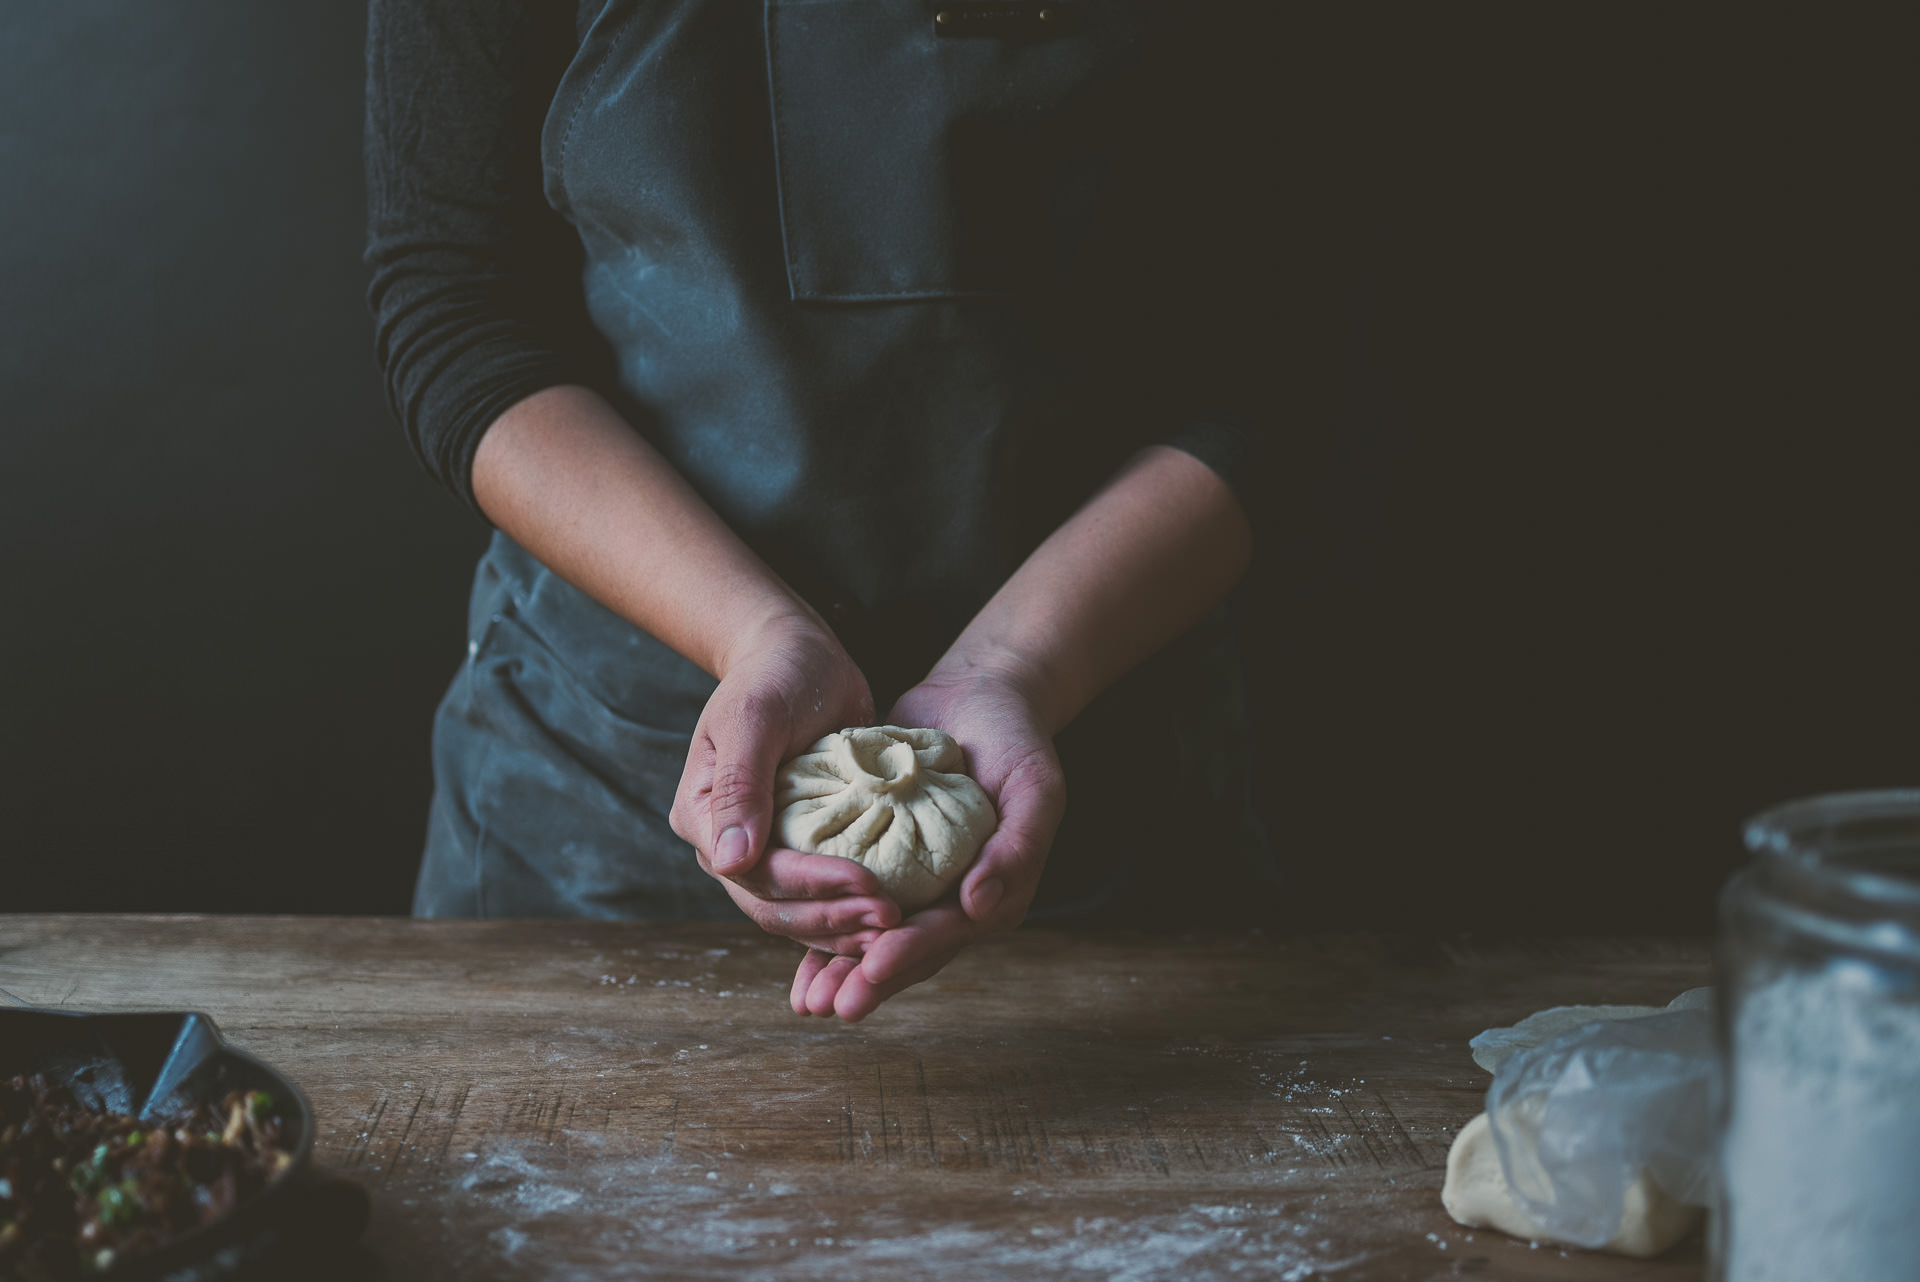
{"points": [[1024, 672], [782, 619]]}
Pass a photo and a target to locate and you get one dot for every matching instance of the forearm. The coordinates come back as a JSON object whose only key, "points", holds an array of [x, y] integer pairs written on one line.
{"points": [[569, 480], [1161, 545]]}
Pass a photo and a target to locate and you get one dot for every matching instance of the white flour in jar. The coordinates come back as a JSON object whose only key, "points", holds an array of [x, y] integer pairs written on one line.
{"points": [[1821, 1159]]}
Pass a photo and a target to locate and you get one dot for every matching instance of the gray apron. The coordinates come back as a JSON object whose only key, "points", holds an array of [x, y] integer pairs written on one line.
{"points": [[840, 266]]}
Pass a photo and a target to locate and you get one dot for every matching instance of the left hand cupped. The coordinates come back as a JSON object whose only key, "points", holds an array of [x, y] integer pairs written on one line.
{"points": [[993, 714]]}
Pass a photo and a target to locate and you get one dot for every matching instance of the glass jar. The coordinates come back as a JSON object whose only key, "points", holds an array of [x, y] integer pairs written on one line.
{"points": [[1819, 1011]]}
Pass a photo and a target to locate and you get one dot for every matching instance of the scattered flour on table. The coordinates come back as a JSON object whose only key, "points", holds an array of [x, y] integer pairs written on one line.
{"points": [[614, 1219], [1296, 1085]]}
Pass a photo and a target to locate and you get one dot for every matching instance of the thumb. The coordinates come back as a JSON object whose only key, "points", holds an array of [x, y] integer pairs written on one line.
{"points": [[747, 747], [1000, 886]]}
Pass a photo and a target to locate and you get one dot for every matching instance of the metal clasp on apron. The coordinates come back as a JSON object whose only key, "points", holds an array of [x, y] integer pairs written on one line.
{"points": [[1006, 20]]}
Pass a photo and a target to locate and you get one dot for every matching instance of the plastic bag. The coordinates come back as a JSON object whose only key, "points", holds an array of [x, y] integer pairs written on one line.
{"points": [[1577, 1114]]}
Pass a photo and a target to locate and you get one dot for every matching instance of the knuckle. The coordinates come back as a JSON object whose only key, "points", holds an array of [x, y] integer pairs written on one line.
{"points": [[767, 920], [735, 786], [816, 882]]}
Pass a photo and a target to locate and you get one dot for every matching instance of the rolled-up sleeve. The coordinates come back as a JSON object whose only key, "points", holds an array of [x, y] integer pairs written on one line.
{"points": [[475, 286], [1228, 447]]}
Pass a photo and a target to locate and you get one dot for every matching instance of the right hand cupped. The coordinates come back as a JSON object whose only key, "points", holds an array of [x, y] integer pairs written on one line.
{"points": [[783, 688]]}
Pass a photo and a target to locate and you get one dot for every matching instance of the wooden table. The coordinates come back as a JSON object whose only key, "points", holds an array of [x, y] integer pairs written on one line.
{"points": [[562, 1100]]}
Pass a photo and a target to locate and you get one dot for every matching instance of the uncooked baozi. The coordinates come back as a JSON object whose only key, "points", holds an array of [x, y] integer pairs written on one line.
{"points": [[894, 800]]}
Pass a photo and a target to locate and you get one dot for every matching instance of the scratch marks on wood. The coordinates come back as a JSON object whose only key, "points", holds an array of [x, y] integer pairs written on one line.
{"points": [[363, 1139], [1326, 1145], [1370, 1137], [1008, 1125], [1055, 1117], [429, 1116], [905, 1139], [848, 1149], [1155, 1151], [926, 1112], [1040, 1117], [1403, 1137], [400, 1149], [892, 1115], [452, 1123], [880, 1102]]}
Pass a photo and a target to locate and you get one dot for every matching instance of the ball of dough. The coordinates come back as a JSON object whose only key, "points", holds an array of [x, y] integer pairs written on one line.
{"points": [[894, 800], [1477, 1195]]}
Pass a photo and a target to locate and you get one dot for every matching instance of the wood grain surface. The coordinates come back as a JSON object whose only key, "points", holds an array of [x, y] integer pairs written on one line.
{"points": [[562, 1100]]}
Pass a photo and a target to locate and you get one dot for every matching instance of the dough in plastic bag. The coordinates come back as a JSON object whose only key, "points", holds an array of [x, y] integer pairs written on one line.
{"points": [[895, 800], [1477, 1195], [1598, 1127]]}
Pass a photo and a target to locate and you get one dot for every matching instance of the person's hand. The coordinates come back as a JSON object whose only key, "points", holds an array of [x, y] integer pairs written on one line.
{"points": [[784, 686], [993, 711]]}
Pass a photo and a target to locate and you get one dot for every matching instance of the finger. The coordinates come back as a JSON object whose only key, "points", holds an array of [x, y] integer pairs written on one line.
{"points": [[794, 874], [684, 816], [937, 930], [810, 965], [1000, 886], [806, 918], [826, 984], [747, 743], [858, 996], [854, 944]]}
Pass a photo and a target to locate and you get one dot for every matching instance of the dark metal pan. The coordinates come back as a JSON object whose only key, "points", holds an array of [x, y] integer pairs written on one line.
{"points": [[151, 1065]]}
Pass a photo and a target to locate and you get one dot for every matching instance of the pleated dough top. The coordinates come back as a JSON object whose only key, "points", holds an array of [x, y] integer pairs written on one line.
{"points": [[895, 800]]}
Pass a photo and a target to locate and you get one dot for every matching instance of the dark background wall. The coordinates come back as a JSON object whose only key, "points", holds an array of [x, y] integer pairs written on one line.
{"points": [[1608, 553], [230, 596]]}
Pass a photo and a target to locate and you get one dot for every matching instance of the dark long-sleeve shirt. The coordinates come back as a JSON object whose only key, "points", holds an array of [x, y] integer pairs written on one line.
{"points": [[476, 280], [894, 303]]}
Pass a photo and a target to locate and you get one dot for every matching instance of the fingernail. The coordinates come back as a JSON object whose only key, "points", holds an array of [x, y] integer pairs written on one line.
{"points": [[986, 896], [874, 920], [731, 850]]}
